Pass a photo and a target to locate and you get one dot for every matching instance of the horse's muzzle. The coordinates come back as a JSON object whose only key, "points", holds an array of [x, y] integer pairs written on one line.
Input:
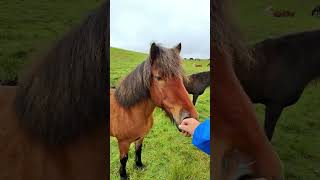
{"points": [[183, 115]]}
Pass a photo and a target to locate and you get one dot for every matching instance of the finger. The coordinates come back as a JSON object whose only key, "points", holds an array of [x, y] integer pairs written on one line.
{"points": [[189, 121], [184, 122], [183, 127]]}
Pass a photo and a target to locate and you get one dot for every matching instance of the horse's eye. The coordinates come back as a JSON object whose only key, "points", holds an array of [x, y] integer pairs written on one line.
{"points": [[158, 78]]}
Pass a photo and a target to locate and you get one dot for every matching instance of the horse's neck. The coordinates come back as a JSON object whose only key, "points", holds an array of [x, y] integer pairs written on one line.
{"points": [[235, 119], [147, 106], [207, 79], [313, 69], [236, 128]]}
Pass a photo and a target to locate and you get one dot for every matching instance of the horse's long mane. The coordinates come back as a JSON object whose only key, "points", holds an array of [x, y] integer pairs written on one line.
{"points": [[64, 93], [135, 86], [226, 36]]}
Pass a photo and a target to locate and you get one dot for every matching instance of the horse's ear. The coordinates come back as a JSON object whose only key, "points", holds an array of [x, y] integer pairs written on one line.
{"points": [[154, 52], [178, 48]]}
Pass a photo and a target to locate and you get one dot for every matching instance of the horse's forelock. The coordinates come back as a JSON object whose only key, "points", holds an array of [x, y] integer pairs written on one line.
{"points": [[168, 63]]}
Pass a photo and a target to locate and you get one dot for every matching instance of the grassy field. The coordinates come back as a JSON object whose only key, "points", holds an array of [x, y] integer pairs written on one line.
{"points": [[166, 153], [29, 26], [297, 136]]}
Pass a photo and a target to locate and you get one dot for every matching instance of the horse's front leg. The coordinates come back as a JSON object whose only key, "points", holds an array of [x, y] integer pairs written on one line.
{"points": [[123, 148], [138, 149], [272, 114], [194, 100]]}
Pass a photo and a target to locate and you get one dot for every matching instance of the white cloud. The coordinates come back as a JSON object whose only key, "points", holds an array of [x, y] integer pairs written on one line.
{"points": [[136, 23]]}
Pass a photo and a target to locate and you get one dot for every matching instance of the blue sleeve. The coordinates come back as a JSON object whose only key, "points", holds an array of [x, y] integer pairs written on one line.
{"points": [[201, 137]]}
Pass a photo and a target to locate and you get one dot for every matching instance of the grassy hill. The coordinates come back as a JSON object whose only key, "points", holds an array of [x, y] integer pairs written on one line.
{"points": [[28, 26], [257, 25], [166, 153], [297, 135]]}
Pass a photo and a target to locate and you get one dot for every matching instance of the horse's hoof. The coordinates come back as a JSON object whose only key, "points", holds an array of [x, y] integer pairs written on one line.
{"points": [[140, 166]]}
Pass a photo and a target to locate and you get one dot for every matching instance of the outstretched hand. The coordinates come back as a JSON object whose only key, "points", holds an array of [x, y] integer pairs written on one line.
{"points": [[188, 126]]}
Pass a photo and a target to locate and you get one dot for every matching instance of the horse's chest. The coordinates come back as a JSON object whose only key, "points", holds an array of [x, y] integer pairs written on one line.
{"points": [[140, 127], [131, 125]]}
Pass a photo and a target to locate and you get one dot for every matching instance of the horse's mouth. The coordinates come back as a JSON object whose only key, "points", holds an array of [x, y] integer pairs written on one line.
{"points": [[177, 122], [177, 125], [183, 115]]}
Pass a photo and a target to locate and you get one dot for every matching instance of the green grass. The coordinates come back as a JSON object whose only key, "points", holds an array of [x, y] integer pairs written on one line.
{"points": [[166, 153], [26, 26], [297, 135]]}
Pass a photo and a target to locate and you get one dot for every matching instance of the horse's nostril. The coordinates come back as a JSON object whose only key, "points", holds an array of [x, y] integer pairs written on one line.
{"points": [[184, 115]]}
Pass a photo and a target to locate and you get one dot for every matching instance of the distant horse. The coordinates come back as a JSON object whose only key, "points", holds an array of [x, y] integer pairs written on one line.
{"points": [[53, 125], [279, 13], [241, 149], [284, 66], [316, 11], [157, 82], [197, 83], [283, 13], [197, 65]]}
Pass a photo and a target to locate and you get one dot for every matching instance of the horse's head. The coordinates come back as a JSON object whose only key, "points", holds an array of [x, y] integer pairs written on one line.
{"points": [[166, 87]]}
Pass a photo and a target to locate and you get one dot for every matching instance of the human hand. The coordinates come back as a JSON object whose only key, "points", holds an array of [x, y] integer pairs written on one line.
{"points": [[188, 126]]}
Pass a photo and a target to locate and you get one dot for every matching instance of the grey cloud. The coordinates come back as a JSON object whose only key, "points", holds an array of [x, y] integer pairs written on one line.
{"points": [[137, 23]]}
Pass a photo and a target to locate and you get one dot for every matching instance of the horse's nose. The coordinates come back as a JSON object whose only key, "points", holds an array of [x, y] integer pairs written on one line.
{"points": [[183, 115]]}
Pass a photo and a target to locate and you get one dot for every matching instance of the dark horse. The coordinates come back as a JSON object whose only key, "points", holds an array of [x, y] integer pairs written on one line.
{"points": [[53, 124], [241, 149], [284, 66], [197, 83]]}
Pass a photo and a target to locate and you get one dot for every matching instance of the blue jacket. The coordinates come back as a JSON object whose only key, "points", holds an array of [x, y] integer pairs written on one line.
{"points": [[201, 136]]}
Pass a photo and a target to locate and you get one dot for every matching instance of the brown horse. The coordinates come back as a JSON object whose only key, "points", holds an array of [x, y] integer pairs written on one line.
{"points": [[53, 124], [240, 148], [157, 82]]}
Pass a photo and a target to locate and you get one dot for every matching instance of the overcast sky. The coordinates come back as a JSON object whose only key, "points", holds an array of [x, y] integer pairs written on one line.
{"points": [[137, 23]]}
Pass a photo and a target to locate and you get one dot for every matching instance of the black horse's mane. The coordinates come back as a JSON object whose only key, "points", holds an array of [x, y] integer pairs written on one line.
{"points": [[63, 94]]}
